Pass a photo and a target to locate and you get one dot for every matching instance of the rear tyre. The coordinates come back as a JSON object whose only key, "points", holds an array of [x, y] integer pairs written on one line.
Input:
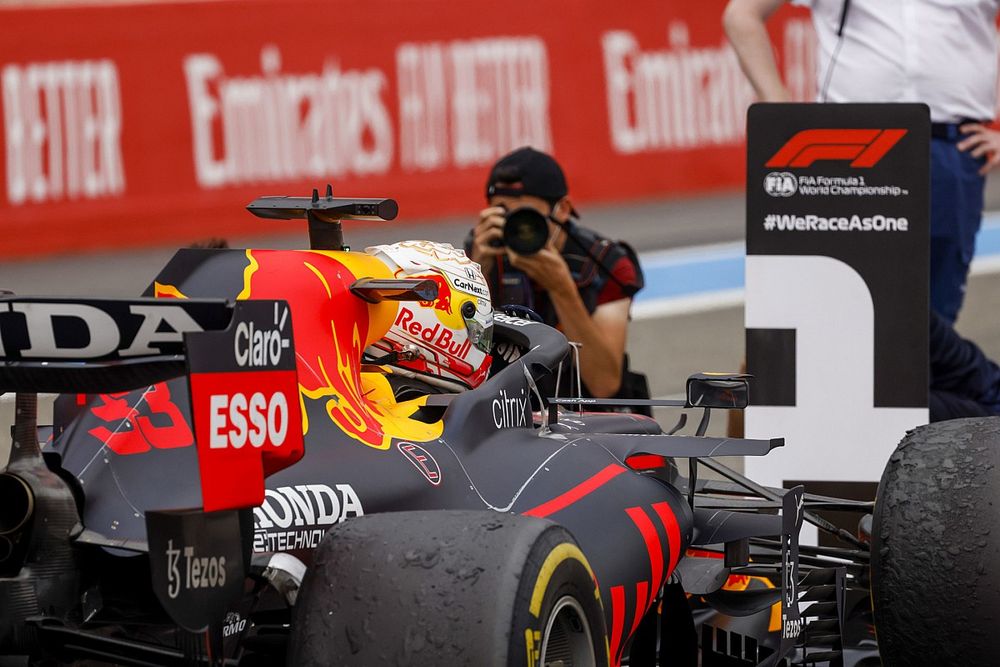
{"points": [[936, 546], [449, 588]]}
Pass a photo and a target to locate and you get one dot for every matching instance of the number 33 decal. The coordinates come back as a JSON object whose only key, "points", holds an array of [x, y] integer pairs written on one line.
{"points": [[153, 422]]}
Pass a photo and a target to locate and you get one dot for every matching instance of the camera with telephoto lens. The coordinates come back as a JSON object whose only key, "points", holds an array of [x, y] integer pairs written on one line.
{"points": [[525, 231]]}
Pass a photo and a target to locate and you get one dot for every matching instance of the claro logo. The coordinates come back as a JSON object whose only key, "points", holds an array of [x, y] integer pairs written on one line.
{"points": [[260, 347], [864, 148]]}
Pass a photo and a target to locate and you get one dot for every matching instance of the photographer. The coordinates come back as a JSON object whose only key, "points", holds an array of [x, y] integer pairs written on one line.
{"points": [[575, 279]]}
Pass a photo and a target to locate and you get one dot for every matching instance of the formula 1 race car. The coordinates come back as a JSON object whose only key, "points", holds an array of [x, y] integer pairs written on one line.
{"points": [[332, 457]]}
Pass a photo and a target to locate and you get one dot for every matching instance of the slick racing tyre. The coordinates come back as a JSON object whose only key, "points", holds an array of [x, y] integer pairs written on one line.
{"points": [[449, 588], [936, 546]]}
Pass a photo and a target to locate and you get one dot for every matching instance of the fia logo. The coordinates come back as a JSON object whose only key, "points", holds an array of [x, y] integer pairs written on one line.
{"points": [[780, 184]]}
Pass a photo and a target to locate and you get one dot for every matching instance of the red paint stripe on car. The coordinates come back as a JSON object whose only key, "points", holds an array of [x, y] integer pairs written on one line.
{"points": [[617, 621], [652, 540], [673, 532], [579, 491], [643, 598]]}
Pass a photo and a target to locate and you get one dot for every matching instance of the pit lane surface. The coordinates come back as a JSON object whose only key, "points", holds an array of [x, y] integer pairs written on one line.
{"points": [[688, 319]]}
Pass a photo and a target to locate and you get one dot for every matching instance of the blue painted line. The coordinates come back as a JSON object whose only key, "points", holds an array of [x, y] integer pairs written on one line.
{"points": [[704, 270]]}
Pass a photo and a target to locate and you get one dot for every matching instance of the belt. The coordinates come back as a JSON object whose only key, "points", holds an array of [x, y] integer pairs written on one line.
{"points": [[950, 131]]}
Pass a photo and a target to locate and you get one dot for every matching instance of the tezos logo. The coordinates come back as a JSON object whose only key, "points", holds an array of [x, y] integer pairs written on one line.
{"points": [[780, 184], [233, 420], [260, 347], [510, 411], [790, 629], [196, 571]]}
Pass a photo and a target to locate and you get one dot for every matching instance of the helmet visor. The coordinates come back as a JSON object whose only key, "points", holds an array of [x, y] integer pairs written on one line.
{"points": [[481, 335]]}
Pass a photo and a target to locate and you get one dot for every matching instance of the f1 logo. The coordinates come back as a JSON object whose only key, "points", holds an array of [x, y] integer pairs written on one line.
{"points": [[863, 147]]}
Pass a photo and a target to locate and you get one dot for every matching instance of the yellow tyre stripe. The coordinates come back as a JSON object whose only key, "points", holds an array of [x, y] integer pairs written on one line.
{"points": [[562, 552]]}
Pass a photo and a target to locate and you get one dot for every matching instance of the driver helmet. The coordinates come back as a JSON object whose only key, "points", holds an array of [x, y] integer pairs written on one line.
{"points": [[447, 339]]}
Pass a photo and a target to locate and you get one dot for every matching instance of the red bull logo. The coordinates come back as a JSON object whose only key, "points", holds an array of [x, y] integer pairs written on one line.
{"points": [[443, 301], [332, 329], [439, 336]]}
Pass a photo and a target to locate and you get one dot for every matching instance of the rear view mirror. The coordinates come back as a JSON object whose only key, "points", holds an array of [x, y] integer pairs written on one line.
{"points": [[718, 390]]}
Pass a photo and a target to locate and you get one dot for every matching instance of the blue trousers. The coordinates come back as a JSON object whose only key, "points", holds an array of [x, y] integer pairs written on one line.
{"points": [[956, 213]]}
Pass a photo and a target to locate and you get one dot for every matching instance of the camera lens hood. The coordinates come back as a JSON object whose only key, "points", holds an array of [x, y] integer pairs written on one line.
{"points": [[525, 230]]}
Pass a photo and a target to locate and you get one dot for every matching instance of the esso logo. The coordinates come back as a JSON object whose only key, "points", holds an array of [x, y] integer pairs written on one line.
{"points": [[257, 347], [234, 420]]}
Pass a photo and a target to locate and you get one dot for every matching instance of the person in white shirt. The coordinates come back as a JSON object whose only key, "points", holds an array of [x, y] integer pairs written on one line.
{"points": [[940, 52]]}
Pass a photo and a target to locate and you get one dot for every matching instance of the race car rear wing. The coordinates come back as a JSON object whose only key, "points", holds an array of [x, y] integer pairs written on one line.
{"points": [[238, 358], [98, 345], [240, 365]]}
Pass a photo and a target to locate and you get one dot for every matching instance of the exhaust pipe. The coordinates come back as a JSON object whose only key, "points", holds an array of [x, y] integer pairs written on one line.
{"points": [[38, 521], [17, 503]]}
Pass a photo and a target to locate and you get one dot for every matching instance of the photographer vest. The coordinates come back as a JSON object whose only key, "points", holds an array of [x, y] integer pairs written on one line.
{"points": [[591, 259]]}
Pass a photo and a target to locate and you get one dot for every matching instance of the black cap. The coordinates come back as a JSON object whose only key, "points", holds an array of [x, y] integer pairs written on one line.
{"points": [[527, 172]]}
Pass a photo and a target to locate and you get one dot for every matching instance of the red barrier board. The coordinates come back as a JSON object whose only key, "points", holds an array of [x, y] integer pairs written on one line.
{"points": [[149, 123]]}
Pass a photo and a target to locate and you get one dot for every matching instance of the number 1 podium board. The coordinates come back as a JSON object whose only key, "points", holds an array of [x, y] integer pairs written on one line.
{"points": [[838, 202]]}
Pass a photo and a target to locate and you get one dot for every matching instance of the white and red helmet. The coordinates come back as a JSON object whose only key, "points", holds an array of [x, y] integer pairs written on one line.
{"points": [[448, 338]]}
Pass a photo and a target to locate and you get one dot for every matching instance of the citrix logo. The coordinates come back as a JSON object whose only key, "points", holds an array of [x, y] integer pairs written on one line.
{"points": [[863, 147], [510, 411]]}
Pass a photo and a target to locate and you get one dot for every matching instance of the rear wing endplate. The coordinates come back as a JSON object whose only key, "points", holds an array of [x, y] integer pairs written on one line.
{"points": [[239, 360]]}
